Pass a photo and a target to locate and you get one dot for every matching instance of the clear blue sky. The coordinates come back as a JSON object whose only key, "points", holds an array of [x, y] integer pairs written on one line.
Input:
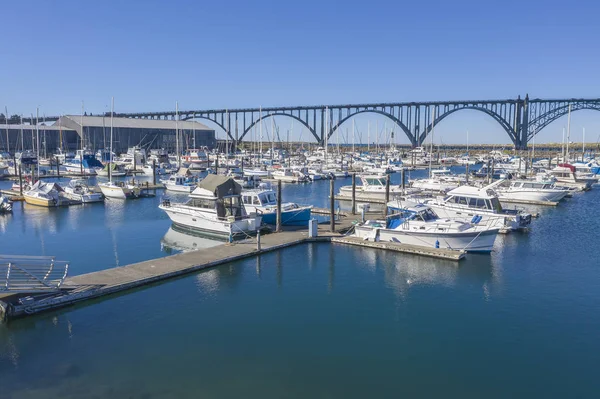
{"points": [[148, 54]]}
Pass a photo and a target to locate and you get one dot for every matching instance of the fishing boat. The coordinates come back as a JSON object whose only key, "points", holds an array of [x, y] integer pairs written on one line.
{"points": [[467, 202], [196, 158], [78, 190], [214, 208], [5, 204], [46, 194], [420, 225], [263, 201]]}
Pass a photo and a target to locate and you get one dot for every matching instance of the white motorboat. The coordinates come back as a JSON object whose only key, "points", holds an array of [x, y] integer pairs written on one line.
{"points": [[441, 181], [180, 183], [263, 201], [530, 190], [420, 225], [467, 202], [289, 176], [119, 190], [565, 176], [256, 172], [373, 188], [214, 208], [78, 190]]}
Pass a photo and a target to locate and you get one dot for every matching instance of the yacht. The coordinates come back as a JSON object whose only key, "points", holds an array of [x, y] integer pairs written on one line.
{"points": [[78, 190], [214, 208], [196, 158], [263, 201], [420, 225], [84, 162], [467, 202], [27, 157], [565, 176], [63, 157], [530, 190]]}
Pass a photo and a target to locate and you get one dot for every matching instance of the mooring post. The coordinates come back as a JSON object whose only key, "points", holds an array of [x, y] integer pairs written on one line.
{"points": [[258, 240], [492, 172], [57, 167], [487, 170], [387, 194], [278, 226], [154, 172], [134, 161], [331, 204], [20, 180], [403, 178], [354, 193], [467, 173]]}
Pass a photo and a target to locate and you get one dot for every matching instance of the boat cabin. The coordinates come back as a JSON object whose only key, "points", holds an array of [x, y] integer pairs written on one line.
{"points": [[259, 198], [474, 198]]}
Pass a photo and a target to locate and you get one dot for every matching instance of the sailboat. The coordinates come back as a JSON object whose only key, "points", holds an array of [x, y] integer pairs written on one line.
{"points": [[110, 189]]}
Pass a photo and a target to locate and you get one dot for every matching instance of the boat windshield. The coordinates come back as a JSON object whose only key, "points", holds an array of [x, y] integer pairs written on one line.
{"points": [[427, 215], [374, 181], [204, 203], [230, 206]]}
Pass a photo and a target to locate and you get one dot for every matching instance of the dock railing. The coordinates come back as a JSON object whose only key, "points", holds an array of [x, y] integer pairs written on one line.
{"points": [[31, 274]]}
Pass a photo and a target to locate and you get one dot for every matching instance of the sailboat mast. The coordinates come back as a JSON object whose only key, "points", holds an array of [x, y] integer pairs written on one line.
{"points": [[353, 140], [260, 136], [568, 134], [227, 138], [82, 137], [177, 134], [37, 139], [583, 148], [6, 120], [112, 111], [326, 133], [22, 145]]}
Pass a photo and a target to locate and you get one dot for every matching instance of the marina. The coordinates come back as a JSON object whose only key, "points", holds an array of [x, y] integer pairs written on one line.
{"points": [[321, 200]]}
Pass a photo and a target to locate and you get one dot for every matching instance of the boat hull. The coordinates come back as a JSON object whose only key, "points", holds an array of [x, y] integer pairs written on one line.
{"points": [[197, 222], [293, 217], [37, 201], [118, 192], [471, 241]]}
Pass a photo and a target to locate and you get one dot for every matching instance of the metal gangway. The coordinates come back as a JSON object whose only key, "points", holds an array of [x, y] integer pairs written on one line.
{"points": [[31, 274]]}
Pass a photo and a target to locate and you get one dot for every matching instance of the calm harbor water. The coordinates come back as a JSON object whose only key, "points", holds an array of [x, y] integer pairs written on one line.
{"points": [[316, 320]]}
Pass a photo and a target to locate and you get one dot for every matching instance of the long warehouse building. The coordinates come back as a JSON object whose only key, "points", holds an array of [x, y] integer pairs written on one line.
{"points": [[69, 131]]}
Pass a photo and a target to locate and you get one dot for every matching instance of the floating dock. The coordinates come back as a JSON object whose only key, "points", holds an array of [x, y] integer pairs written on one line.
{"points": [[109, 281], [439, 253]]}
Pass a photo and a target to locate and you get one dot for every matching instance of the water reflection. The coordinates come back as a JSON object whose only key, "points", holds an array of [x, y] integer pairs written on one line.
{"points": [[175, 240], [401, 272]]}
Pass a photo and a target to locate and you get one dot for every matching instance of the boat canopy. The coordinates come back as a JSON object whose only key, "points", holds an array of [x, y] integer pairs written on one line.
{"points": [[45, 187], [567, 165], [220, 186]]}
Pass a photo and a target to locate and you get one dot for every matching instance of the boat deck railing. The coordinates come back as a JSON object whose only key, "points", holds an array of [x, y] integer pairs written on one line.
{"points": [[31, 274]]}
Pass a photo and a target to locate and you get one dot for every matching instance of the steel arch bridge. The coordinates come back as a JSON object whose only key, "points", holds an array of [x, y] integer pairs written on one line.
{"points": [[520, 118]]}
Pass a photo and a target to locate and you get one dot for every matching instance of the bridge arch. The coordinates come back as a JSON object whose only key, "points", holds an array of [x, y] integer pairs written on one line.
{"points": [[540, 122], [188, 117], [397, 121], [503, 122], [304, 123]]}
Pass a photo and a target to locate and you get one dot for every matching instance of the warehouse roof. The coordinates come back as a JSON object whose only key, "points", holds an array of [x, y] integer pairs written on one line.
{"points": [[99, 121]]}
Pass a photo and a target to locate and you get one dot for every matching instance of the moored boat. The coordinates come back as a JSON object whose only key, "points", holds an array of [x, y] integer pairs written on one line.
{"points": [[214, 208]]}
